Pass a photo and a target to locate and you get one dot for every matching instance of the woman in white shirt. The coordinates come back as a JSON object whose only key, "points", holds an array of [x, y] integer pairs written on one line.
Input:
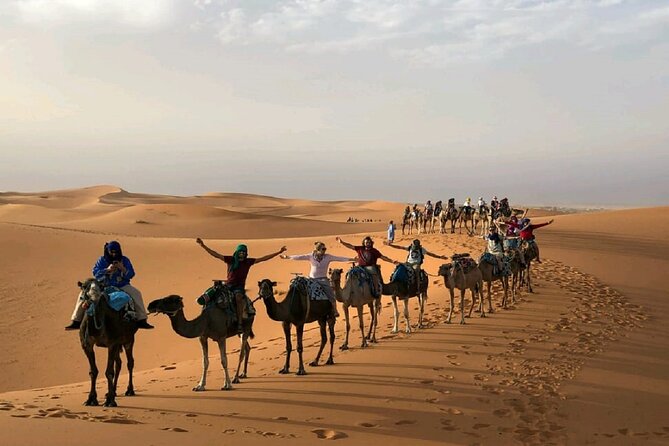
{"points": [[320, 262]]}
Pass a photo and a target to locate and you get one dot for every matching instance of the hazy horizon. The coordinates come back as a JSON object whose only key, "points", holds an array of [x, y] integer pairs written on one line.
{"points": [[561, 102]]}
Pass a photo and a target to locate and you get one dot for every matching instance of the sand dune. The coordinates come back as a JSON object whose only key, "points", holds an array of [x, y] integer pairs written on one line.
{"points": [[584, 360]]}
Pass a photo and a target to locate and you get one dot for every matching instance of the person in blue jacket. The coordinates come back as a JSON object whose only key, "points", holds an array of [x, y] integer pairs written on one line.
{"points": [[114, 269]]}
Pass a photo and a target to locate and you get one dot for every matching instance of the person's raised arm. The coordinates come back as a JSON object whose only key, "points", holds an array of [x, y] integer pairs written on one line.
{"points": [[389, 260], [295, 257], [270, 256], [392, 245], [341, 259], [346, 244], [540, 225], [436, 256], [209, 250]]}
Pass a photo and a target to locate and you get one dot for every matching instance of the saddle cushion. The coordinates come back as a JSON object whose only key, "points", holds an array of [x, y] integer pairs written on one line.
{"points": [[363, 277], [314, 289], [405, 273], [117, 298], [467, 263]]}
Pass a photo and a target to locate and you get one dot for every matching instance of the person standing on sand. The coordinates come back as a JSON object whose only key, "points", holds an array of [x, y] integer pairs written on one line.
{"points": [[114, 269], [320, 261], [367, 258], [239, 264], [391, 231]]}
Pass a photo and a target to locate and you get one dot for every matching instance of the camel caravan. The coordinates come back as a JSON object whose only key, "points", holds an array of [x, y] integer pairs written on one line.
{"points": [[109, 310]]}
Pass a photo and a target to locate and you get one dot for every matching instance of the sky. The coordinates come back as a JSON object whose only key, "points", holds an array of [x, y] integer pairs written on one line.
{"points": [[556, 102]]}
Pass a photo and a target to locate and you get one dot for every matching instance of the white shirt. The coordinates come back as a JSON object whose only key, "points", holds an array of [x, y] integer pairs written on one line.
{"points": [[319, 269]]}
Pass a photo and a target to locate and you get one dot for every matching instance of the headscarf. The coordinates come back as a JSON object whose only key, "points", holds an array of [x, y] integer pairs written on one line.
{"points": [[112, 245], [235, 257]]}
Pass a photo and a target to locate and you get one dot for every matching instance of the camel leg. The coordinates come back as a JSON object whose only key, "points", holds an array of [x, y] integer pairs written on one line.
{"points": [[529, 278], [462, 306], [224, 363], [289, 348], [406, 315], [479, 290], [396, 315], [93, 373], [324, 339], [118, 364], [422, 298], [371, 323], [331, 327], [112, 356], [450, 311], [489, 286], [376, 309], [344, 346], [204, 344], [130, 391], [242, 354], [300, 334], [361, 323], [473, 301], [246, 359]]}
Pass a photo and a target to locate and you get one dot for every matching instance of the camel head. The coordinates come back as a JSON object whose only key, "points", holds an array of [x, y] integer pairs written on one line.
{"points": [[335, 276], [91, 290], [169, 305], [446, 271], [266, 289]]}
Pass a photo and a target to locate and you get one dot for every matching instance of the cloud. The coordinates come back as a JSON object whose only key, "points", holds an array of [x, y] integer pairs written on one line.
{"points": [[436, 31], [130, 13]]}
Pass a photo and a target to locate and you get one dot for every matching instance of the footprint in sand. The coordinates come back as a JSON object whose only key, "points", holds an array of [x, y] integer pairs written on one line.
{"points": [[169, 368], [229, 431], [280, 418], [403, 422], [329, 434], [502, 412], [173, 429], [365, 424], [453, 411]]}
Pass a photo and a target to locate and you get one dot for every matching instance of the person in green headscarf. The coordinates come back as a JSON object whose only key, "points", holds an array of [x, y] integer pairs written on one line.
{"points": [[239, 264]]}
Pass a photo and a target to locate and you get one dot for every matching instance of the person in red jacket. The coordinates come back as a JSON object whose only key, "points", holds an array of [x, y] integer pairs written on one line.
{"points": [[527, 232]]}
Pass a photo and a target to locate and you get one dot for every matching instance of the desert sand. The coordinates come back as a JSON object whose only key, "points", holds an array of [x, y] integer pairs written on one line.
{"points": [[582, 360]]}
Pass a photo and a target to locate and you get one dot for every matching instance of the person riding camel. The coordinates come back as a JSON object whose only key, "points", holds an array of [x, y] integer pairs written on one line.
{"points": [[320, 261], [239, 264], [451, 203], [481, 204], [494, 203], [467, 206], [527, 235], [438, 208], [511, 242], [428, 208], [367, 257], [416, 257], [495, 246], [114, 269]]}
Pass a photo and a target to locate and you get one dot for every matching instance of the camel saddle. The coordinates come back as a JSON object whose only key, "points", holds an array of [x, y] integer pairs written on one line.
{"points": [[118, 300], [313, 288], [363, 276], [222, 296], [405, 274], [466, 262], [492, 259]]}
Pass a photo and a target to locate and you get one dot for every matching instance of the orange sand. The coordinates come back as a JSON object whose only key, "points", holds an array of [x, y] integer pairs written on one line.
{"points": [[584, 360]]}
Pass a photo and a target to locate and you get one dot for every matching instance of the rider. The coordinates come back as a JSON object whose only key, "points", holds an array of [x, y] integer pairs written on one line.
{"points": [[239, 264], [416, 256], [428, 208], [527, 235], [114, 269], [511, 229], [367, 258], [481, 204], [467, 205], [437, 208], [495, 246], [494, 203], [320, 261]]}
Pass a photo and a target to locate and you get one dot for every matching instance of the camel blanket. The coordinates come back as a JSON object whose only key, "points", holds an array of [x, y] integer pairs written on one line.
{"points": [[363, 277], [492, 259], [223, 297], [407, 275], [467, 263], [313, 288]]}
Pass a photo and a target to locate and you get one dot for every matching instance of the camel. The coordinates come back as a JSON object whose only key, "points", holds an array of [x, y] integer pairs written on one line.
{"points": [[436, 219], [483, 216], [400, 289], [406, 218], [105, 327], [297, 309], [416, 220], [448, 214], [529, 253], [356, 293], [489, 276], [455, 277], [427, 218], [213, 323], [466, 215]]}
